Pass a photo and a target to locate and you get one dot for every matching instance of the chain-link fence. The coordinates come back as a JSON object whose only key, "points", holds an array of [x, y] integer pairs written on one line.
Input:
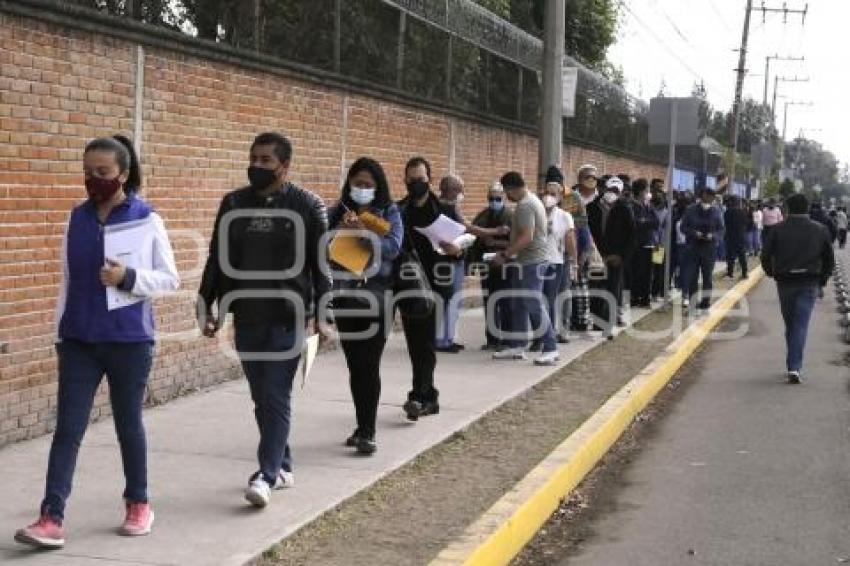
{"points": [[451, 52]]}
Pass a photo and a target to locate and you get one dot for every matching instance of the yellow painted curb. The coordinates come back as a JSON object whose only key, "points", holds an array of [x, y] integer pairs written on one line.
{"points": [[504, 529]]}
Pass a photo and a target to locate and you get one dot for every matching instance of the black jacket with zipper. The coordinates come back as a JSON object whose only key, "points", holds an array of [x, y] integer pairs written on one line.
{"points": [[798, 250], [268, 234]]}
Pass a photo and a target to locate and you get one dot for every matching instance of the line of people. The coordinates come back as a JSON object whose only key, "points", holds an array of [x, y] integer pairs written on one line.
{"points": [[552, 264]]}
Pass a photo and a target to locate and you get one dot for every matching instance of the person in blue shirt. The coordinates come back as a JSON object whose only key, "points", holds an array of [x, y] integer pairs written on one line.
{"points": [[363, 331], [105, 326], [702, 225]]}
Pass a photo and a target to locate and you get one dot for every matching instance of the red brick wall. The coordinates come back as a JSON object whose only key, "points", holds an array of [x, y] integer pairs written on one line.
{"points": [[60, 87]]}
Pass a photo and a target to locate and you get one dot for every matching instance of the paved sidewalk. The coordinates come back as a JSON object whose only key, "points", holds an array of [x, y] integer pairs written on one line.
{"points": [[202, 451]]}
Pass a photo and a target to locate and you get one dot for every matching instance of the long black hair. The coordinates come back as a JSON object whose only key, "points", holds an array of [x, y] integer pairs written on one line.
{"points": [[382, 188], [125, 155], [134, 179]]}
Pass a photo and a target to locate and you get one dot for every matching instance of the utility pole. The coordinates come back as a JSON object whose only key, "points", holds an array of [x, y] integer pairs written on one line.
{"points": [[767, 61], [739, 87], [741, 70], [551, 126], [776, 82], [785, 128]]}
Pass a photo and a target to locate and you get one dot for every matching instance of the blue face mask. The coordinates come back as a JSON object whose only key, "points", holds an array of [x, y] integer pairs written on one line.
{"points": [[497, 205], [362, 195]]}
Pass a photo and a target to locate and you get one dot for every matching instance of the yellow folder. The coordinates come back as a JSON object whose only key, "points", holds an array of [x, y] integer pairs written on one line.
{"points": [[350, 252]]}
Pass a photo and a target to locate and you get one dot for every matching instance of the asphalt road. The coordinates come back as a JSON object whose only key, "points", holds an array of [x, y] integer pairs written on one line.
{"points": [[744, 469]]}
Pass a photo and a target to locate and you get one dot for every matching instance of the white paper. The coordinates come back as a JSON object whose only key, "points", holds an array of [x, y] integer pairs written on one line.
{"points": [[443, 229], [128, 244], [464, 242], [308, 356]]}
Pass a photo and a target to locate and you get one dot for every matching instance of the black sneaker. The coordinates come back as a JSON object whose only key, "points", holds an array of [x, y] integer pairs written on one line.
{"points": [[366, 445], [704, 305], [429, 408], [446, 349], [794, 377], [457, 346], [563, 340], [536, 346], [413, 409], [352, 440]]}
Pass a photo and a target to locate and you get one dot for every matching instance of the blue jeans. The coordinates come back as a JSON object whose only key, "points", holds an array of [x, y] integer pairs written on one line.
{"points": [[82, 366], [553, 285], [446, 333], [270, 382], [529, 278], [797, 302]]}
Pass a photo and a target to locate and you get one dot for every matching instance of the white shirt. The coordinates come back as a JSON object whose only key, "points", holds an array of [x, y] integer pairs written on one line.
{"points": [[560, 222], [757, 219]]}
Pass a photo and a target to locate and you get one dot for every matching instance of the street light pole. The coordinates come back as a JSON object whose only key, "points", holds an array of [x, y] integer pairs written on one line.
{"points": [[551, 126]]}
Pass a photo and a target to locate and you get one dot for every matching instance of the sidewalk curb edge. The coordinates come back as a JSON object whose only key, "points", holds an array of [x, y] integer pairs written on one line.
{"points": [[502, 531]]}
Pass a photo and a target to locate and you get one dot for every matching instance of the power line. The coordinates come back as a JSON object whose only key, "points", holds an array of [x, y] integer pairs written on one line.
{"points": [[719, 15], [669, 49]]}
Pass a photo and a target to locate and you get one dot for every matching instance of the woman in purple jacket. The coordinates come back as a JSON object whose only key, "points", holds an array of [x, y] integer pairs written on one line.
{"points": [[105, 326]]}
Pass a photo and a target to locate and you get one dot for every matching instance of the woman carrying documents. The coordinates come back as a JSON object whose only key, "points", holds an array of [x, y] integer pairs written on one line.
{"points": [[115, 257], [364, 208]]}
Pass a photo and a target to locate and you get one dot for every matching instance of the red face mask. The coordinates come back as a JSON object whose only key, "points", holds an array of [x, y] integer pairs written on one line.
{"points": [[101, 190]]}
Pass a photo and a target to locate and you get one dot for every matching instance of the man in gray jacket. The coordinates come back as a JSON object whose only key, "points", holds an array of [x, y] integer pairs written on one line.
{"points": [[798, 255]]}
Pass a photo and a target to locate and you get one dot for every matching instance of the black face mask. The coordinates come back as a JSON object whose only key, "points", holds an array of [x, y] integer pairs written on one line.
{"points": [[260, 177], [417, 189]]}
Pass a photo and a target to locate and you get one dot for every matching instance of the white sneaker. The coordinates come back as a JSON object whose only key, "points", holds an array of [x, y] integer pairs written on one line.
{"points": [[686, 303], [510, 354], [547, 359], [285, 480], [259, 492]]}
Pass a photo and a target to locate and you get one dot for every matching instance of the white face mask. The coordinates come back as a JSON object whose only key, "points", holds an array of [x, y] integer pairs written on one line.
{"points": [[647, 198], [549, 201], [610, 197], [457, 200], [706, 205], [362, 195]]}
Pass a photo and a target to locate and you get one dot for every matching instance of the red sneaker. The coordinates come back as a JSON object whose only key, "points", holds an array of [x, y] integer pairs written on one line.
{"points": [[138, 521], [44, 533]]}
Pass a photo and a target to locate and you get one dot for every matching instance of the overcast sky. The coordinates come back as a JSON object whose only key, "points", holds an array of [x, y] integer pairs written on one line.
{"points": [[682, 41]]}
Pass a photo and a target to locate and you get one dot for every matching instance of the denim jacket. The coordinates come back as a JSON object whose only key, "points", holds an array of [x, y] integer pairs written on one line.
{"points": [[390, 243]]}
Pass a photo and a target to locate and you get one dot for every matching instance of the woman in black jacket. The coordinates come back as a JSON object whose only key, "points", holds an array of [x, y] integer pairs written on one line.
{"points": [[364, 203]]}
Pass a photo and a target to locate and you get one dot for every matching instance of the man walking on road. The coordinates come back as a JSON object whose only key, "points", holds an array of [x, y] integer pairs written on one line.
{"points": [[841, 223], [798, 255]]}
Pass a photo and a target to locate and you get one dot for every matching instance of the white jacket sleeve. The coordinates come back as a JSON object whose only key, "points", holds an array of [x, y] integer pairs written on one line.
{"points": [[162, 277]]}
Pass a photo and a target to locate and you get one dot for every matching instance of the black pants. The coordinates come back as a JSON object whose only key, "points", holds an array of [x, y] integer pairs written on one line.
{"points": [[736, 250], [493, 282], [641, 270], [419, 335], [613, 285], [842, 238], [700, 262], [363, 356], [658, 279]]}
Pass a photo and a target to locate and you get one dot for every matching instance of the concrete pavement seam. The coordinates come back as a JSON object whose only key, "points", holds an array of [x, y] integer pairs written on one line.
{"points": [[499, 534]]}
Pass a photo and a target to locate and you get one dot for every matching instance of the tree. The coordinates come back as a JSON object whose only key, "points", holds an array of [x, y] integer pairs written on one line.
{"points": [[815, 165], [591, 27]]}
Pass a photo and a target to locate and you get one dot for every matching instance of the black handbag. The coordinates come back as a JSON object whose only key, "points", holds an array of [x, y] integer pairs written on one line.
{"points": [[411, 282]]}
